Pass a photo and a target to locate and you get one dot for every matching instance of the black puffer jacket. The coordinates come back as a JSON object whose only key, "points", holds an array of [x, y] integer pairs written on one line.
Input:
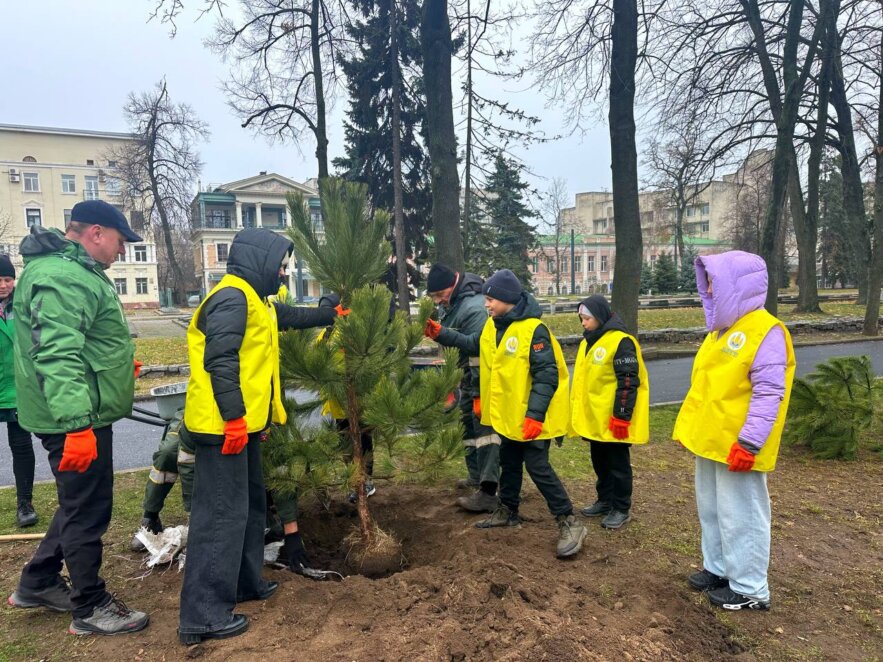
{"points": [[543, 369], [255, 256]]}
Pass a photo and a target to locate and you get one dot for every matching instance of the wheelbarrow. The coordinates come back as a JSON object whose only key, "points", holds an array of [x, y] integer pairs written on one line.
{"points": [[169, 399]]}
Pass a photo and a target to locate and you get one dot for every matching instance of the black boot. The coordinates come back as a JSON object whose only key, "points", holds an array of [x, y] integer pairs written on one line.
{"points": [[26, 515]]}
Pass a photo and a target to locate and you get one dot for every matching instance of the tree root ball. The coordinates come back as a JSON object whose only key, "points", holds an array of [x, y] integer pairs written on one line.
{"points": [[380, 557]]}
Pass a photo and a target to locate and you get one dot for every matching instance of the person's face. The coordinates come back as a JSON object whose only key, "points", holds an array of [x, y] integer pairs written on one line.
{"points": [[283, 268], [589, 323], [104, 245], [7, 284], [710, 288], [497, 308], [442, 297]]}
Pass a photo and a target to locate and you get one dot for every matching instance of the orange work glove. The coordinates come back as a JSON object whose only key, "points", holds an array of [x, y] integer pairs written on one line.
{"points": [[235, 436], [80, 450], [619, 428], [451, 400], [531, 429], [476, 407], [432, 329], [739, 459], [343, 312], [138, 366]]}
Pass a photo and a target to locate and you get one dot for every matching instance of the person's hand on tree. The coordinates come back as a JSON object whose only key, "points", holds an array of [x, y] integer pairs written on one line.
{"points": [[80, 450], [531, 429], [235, 436], [739, 459], [432, 329], [619, 428], [341, 311], [476, 407]]}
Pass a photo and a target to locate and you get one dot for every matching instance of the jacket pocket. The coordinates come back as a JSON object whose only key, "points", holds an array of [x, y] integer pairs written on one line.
{"points": [[114, 383]]}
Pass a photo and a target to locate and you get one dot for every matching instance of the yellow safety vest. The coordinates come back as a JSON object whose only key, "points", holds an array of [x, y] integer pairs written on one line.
{"points": [[594, 391], [717, 404], [330, 406], [504, 374], [258, 368]]}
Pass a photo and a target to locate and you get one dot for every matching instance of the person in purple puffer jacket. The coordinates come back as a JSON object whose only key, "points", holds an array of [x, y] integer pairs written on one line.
{"points": [[732, 420]]}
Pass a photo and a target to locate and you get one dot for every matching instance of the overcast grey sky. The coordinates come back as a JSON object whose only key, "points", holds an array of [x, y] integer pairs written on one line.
{"points": [[72, 64]]}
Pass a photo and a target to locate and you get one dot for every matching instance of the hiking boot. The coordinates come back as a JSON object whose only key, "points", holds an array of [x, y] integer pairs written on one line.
{"points": [[706, 581], [727, 598], [596, 509], [467, 484], [25, 515], [113, 617], [570, 536], [56, 596], [152, 524], [370, 490], [238, 624], [479, 502], [502, 516], [615, 519]]}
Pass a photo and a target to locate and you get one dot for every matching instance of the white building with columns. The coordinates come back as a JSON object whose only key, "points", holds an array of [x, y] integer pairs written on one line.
{"points": [[220, 211]]}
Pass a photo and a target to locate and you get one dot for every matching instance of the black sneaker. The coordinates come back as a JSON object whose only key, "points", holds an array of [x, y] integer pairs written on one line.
{"points": [[597, 509], [727, 598], [56, 597], [238, 624], [479, 502], [615, 519], [152, 524], [502, 516], [25, 515], [706, 581], [113, 617], [370, 490]]}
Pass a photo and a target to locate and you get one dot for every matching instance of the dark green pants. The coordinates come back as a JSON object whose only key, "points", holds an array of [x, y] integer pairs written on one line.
{"points": [[482, 449], [175, 456]]}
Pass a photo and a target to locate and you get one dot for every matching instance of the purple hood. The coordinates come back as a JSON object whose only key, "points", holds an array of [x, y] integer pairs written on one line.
{"points": [[739, 286]]}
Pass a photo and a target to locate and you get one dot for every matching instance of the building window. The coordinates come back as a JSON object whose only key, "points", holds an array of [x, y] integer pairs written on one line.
{"points": [[141, 253], [600, 226], [137, 220], [590, 262], [120, 286], [691, 211], [550, 265], [29, 159], [564, 265], [705, 209], [220, 218], [222, 252], [603, 263], [67, 217], [576, 289], [703, 226], [535, 264], [90, 192], [551, 290], [140, 286], [112, 186], [577, 263], [68, 183], [90, 162], [31, 182], [33, 217]]}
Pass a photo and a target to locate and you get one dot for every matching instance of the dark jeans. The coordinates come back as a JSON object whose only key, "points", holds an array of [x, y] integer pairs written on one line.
{"points": [[613, 466], [225, 546], [533, 456], [22, 447], [85, 501]]}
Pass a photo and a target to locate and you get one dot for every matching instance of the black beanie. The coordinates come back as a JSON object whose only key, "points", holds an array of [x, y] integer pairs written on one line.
{"points": [[440, 278], [503, 285], [6, 268]]}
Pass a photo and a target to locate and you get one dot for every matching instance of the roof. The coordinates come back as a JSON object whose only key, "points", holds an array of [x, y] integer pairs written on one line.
{"points": [[23, 128]]}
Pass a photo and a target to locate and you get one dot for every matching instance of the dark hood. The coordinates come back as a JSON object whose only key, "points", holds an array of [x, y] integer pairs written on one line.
{"points": [[601, 311], [526, 308], [467, 285], [49, 241], [255, 256]]}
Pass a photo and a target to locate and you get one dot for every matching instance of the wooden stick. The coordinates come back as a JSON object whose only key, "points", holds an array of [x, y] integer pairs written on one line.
{"points": [[12, 537]]}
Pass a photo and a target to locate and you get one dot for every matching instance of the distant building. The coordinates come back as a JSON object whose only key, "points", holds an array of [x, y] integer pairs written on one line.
{"points": [[221, 210], [44, 172]]}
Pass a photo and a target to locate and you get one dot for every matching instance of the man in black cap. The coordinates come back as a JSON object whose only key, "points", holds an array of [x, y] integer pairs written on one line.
{"points": [[75, 376], [461, 308]]}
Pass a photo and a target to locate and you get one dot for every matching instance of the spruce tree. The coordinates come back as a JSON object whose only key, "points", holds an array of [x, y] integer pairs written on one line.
{"points": [[648, 284], [362, 366], [687, 275], [665, 274]]}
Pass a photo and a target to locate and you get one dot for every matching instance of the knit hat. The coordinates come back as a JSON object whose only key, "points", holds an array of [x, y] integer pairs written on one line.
{"points": [[440, 278], [504, 286], [6, 268]]}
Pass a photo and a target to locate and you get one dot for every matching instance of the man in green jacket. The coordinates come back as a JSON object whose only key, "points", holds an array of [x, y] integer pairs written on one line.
{"points": [[461, 308], [74, 374]]}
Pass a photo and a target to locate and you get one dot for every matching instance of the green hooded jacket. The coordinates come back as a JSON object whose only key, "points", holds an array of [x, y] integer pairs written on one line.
{"points": [[7, 371], [73, 351]]}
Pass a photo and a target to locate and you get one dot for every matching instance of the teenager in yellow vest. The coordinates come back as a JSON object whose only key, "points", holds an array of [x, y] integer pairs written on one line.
{"points": [[609, 406], [523, 387], [732, 420], [233, 395]]}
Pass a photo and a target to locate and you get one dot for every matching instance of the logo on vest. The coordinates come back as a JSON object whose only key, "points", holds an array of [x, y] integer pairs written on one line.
{"points": [[511, 345], [735, 342], [599, 355]]}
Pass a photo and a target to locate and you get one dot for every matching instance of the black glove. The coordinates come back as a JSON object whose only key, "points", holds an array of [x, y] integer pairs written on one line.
{"points": [[295, 552]]}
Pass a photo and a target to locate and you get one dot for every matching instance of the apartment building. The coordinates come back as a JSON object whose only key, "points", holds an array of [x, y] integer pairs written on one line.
{"points": [[44, 172]]}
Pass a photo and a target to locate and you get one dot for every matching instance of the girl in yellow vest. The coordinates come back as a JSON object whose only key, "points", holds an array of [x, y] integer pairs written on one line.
{"points": [[609, 406], [233, 395], [732, 420], [523, 388]]}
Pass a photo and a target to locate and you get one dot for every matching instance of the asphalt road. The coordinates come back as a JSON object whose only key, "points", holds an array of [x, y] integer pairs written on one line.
{"points": [[134, 443]]}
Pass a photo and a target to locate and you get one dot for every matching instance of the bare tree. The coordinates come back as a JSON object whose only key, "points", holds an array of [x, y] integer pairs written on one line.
{"points": [[159, 166], [744, 222], [552, 207]]}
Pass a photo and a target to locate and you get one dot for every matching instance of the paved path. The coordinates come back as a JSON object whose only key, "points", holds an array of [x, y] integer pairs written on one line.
{"points": [[134, 443]]}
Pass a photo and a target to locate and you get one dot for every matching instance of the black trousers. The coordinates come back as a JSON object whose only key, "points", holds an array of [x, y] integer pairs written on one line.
{"points": [[225, 543], [85, 501], [22, 447], [533, 456], [612, 464]]}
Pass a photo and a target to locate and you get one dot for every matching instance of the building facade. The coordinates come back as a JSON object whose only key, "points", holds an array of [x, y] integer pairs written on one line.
{"points": [[44, 172], [220, 211]]}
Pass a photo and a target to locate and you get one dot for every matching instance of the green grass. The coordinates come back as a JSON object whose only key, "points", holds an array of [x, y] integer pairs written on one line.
{"points": [[161, 351]]}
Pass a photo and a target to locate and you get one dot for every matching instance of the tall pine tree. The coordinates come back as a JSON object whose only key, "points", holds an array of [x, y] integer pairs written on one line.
{"points": [[368, 128]]}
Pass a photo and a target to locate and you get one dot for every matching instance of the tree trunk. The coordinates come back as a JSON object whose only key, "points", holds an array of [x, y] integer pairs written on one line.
{"points": [[872, 312], [805, 231], [441, 140], [166, 228], [467, 171], [366, 523], [624, 163], [679, 239], [398, 202], [320, 130]]}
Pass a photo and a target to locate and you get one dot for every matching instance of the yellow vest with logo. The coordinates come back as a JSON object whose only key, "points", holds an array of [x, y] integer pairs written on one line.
{"points": [[258, 368], [717, 404], [505, 381], [594, 391], [330, 406]]}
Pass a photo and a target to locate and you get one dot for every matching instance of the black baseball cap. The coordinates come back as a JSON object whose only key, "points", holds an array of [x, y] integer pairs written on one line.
{"points": [[99, 212]]}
